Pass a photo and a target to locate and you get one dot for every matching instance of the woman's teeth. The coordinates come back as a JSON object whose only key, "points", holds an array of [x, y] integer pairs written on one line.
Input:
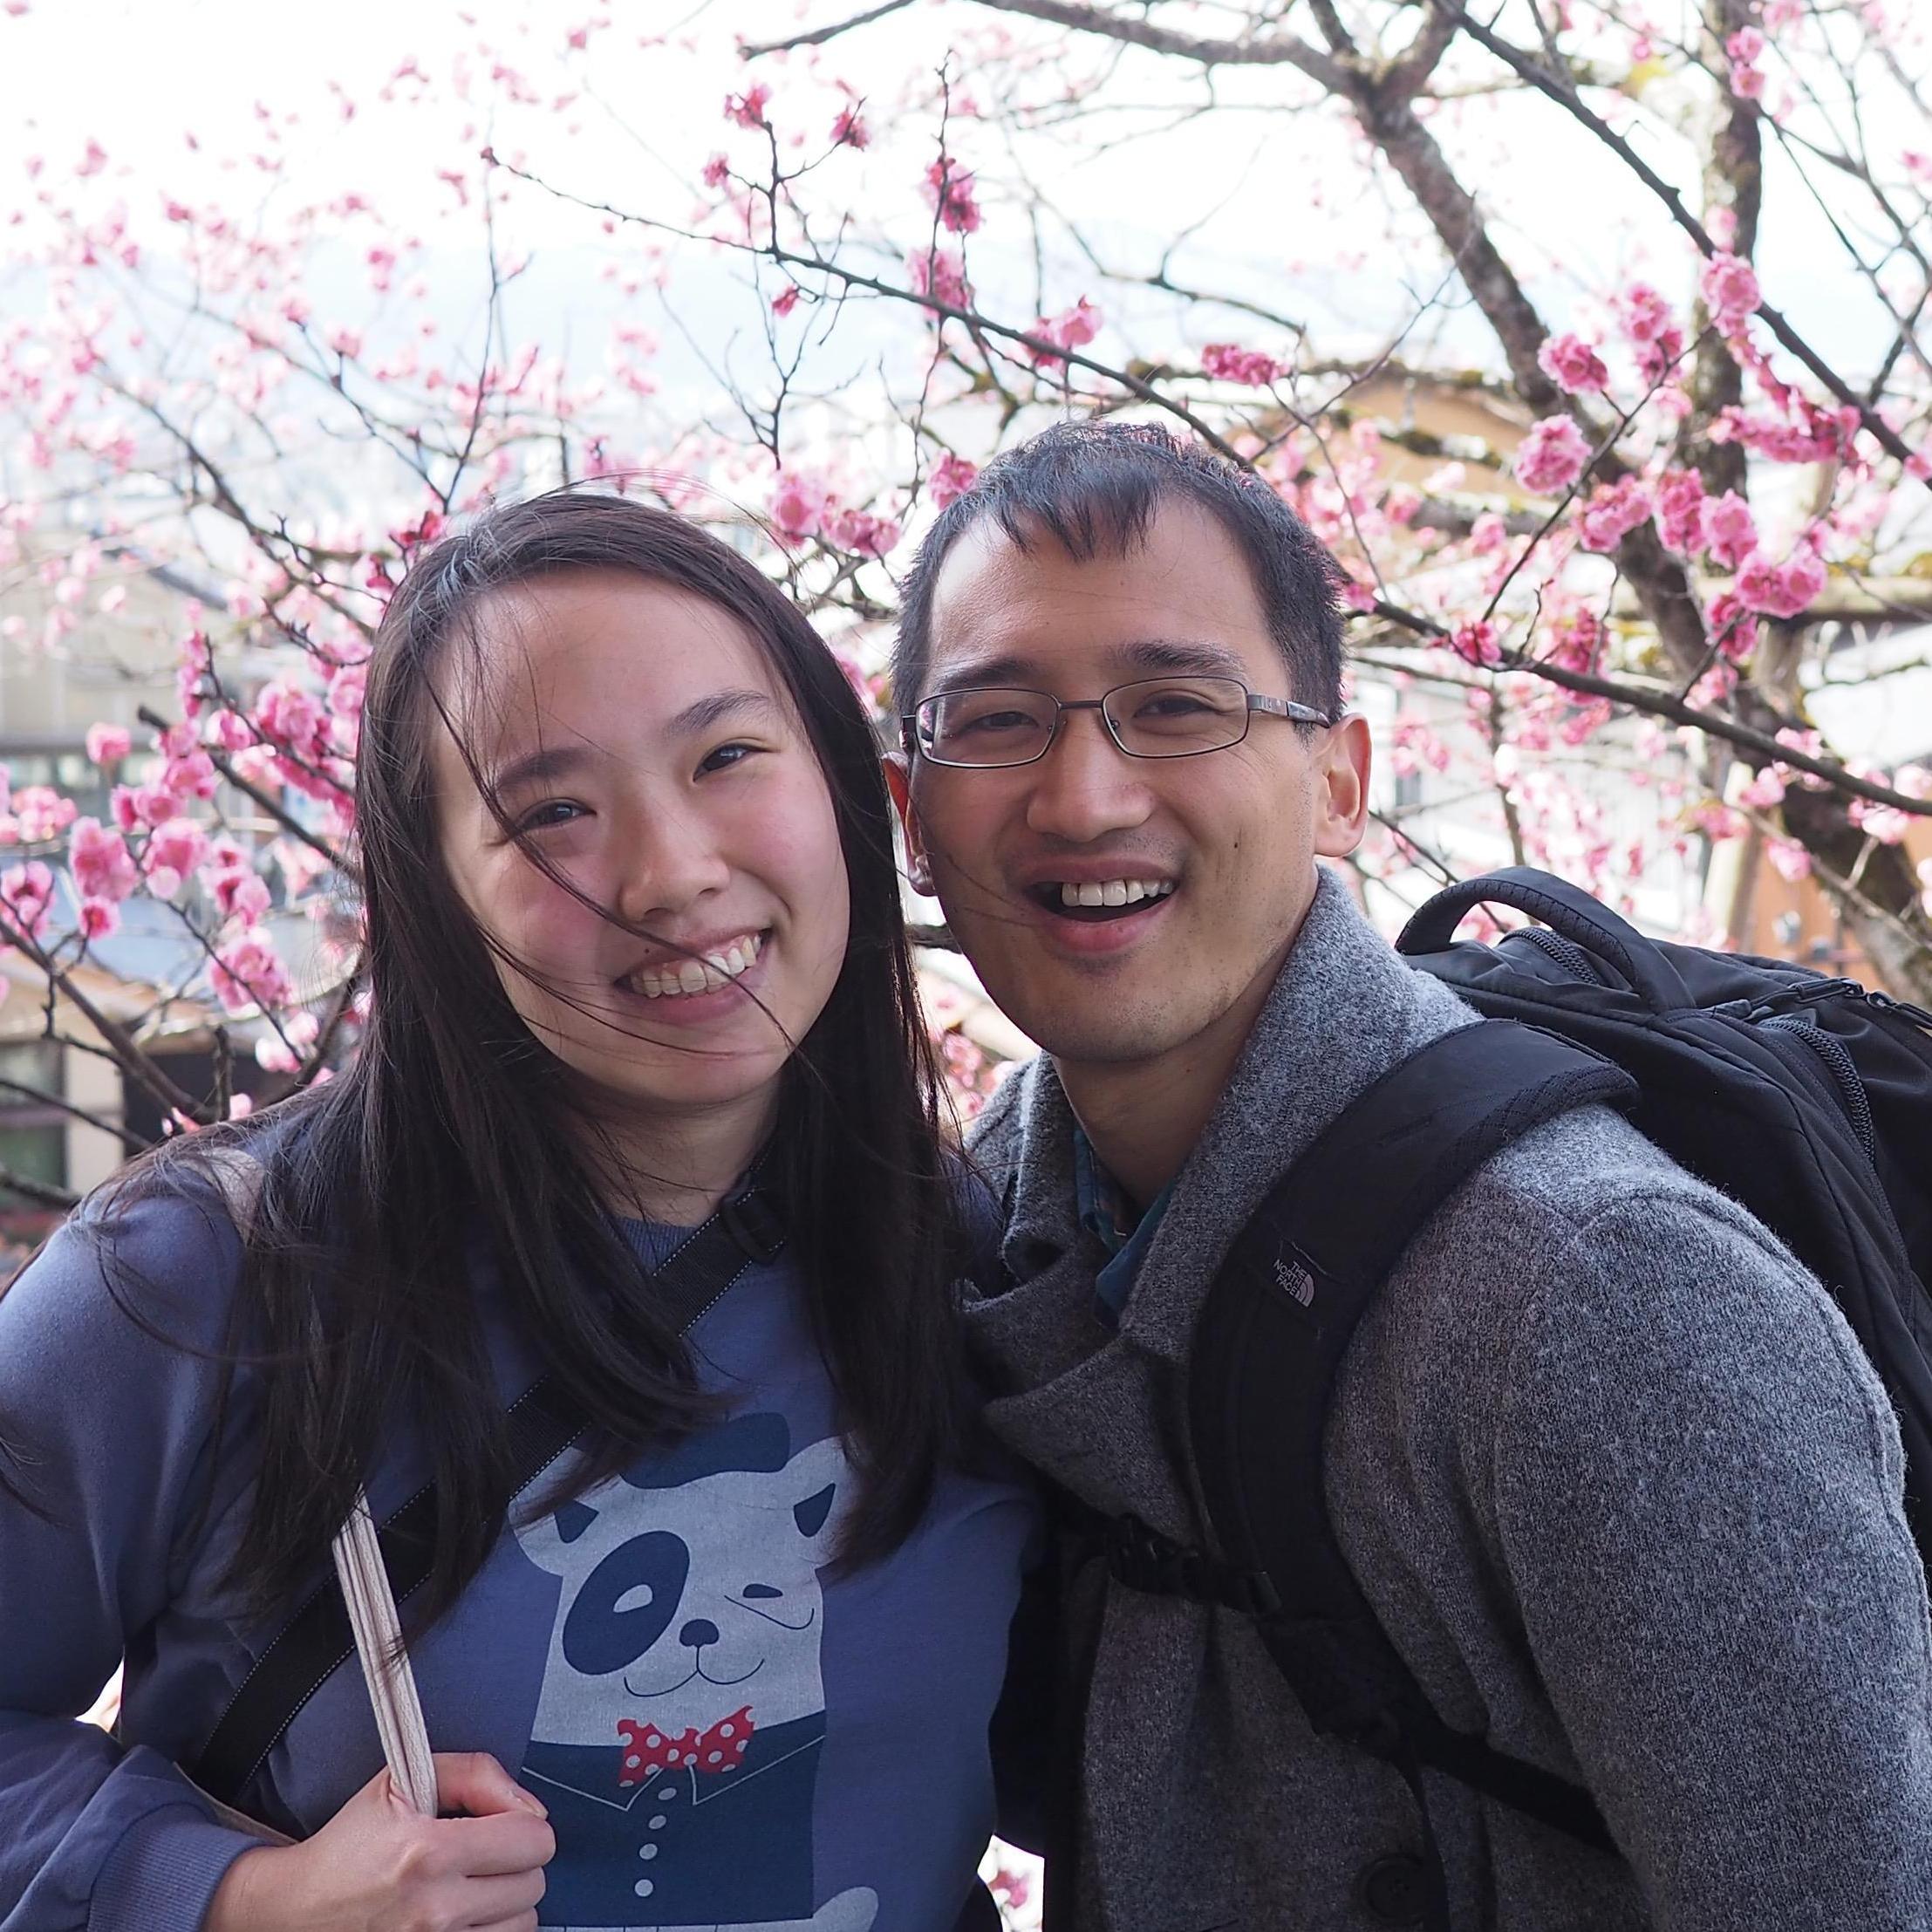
{"points": [[684, 977], [1114, 891]]}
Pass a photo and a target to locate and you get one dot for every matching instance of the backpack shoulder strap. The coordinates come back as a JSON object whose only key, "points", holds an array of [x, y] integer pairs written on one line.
{"points": [[318, 1639], [1278, 1320]]}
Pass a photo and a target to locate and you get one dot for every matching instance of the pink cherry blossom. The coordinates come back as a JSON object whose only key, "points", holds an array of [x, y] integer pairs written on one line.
{"points": [[290, 716], [99, 858], [1644, 313], [26, 895], [97, 918], [799, 503], [1763, 790], [1680, 494], [1789, 858], [786, 300], [1733, 625], [952, 476], [941, 274], [1887, 824], [1072, 328], [1729, 285], [1613, 511], [1745, 47], [1226, 363], [861, 531], [177, 847], [248, 972], [715, 171], [1551, 457], [1475, 642], [949, 189], [108, 744], [42, 813], [1573, 365], [1781, 589], [747, 109], [848, 131], [1728, 529]]}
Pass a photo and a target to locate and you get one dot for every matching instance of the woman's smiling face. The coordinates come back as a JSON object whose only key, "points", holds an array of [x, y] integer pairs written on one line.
{"points": [[640, 740]]}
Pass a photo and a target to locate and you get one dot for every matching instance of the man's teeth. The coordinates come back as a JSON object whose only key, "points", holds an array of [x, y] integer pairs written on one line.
{"points": [[706, 975], [1114, 891]]}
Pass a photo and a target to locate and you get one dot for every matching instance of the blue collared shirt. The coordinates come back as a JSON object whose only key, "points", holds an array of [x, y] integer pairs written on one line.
{"points": [[1106, 1213]]}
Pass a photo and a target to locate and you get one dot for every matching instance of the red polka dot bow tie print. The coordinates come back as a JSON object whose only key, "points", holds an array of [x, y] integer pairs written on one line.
{"points": [[647, 1751]]}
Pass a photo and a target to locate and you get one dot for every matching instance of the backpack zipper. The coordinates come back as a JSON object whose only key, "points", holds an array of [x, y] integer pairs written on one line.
{"points": [[1844, 1072], [1565, 952], [1886, 1003]]}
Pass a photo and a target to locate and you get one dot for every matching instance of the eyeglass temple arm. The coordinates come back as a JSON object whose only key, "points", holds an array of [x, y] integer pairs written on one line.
{"points": [[1287, 708]]}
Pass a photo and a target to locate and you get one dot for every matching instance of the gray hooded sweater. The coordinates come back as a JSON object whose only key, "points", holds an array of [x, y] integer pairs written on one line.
{"points": [[1610, 1467]]}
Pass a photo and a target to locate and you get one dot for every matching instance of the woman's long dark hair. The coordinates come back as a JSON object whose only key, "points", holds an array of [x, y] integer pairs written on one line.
{"points": [[454, 1137]]}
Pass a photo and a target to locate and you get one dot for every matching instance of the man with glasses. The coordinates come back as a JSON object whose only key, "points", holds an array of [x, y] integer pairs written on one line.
{"points": [[1607, 1463]]}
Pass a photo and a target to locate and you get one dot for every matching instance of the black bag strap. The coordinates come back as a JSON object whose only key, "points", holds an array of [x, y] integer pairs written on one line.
{"points": [[1567, 910], [745, 1230], [1278, 1320]]}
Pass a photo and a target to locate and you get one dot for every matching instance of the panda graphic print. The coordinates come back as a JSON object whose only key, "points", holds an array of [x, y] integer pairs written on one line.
{"points": [[681, 1719]]}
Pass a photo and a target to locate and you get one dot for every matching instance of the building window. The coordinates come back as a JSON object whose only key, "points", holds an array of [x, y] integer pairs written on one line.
{"points": [[33, 1133]]}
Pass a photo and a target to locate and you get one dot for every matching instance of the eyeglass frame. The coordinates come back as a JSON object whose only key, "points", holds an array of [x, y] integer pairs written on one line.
{"points": [[1257, 702]]}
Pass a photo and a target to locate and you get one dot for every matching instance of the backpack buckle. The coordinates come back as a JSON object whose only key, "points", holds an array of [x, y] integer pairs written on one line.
{"points": [[1140, 1558], [753, 1223]]}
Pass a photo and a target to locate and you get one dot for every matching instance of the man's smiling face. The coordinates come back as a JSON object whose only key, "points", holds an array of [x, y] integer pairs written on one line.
{"points": [[1215, 852]]}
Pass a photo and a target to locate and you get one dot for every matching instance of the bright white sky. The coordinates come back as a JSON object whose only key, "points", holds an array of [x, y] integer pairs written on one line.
{"points": [[1295, 225]]}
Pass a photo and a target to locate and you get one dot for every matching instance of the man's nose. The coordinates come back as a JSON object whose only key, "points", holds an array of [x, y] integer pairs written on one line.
{"points": [[1086, 786]]}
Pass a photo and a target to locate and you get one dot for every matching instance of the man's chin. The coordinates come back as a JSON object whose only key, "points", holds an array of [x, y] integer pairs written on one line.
{"points": [[1084, 1029]]}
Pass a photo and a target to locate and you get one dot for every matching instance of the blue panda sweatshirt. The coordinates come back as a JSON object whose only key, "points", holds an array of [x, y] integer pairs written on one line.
{"points": [[725, 1732]]}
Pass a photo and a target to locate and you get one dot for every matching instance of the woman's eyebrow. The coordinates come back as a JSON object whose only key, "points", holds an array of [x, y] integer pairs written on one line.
{"points": [[547, 762], [715, 709]]}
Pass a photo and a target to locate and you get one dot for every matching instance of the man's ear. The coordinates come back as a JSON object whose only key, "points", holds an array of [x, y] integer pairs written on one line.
{"points": [[898, 781], [1341, 787]]}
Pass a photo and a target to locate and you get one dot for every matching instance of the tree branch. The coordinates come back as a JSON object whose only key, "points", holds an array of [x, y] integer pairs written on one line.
{"points": [[819, 35], [41, 1193], [1277, 50], [279, 813], [1567, 96], [1657, 702]]}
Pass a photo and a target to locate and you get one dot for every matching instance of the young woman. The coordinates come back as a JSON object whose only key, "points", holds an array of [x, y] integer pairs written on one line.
{"points": [[633, 943]]}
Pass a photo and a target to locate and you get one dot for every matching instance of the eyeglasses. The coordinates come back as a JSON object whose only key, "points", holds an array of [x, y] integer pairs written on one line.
{"points": [[1000, 724]]}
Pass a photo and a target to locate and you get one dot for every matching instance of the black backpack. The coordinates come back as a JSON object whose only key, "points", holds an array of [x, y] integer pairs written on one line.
{"points": [[1807, 1099]]}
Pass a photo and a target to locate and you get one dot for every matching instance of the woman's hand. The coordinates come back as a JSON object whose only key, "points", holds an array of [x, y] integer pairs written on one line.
{"points": [[379, 1867]]}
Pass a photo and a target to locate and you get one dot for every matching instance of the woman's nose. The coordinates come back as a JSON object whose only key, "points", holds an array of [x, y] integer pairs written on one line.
{"points": [[667, 860]]}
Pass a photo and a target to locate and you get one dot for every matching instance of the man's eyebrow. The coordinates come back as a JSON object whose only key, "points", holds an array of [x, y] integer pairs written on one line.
{"points": [[1183, 654], [1151, 657]]}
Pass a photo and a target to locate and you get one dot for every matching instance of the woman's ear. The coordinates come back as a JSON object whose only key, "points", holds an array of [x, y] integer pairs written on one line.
{"points": [[898, 781]]}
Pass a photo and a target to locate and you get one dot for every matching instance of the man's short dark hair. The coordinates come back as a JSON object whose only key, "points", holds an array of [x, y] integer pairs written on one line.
{"points": [[1094, 488]]}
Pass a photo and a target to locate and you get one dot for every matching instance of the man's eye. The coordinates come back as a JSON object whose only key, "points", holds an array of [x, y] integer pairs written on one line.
{"points": [[997, 721], [552, 813], [1172, 704]]}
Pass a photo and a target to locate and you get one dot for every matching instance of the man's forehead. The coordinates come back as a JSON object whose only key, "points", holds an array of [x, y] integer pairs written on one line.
{"points": [[1039, 659]]}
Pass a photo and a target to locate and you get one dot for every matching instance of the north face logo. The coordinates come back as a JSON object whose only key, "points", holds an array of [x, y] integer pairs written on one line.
{"points": [[1294, 1280]]}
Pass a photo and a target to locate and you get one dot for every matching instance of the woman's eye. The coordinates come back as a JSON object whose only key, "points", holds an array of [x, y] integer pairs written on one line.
{"points": [[726, 756], [553, 812]]}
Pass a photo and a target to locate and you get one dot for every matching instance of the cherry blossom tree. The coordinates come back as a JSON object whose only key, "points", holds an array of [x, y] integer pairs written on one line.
{"points": [[1660, 273]]}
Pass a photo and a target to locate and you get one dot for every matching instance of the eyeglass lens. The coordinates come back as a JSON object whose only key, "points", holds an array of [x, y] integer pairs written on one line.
{"points": [[1155, 718]]}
